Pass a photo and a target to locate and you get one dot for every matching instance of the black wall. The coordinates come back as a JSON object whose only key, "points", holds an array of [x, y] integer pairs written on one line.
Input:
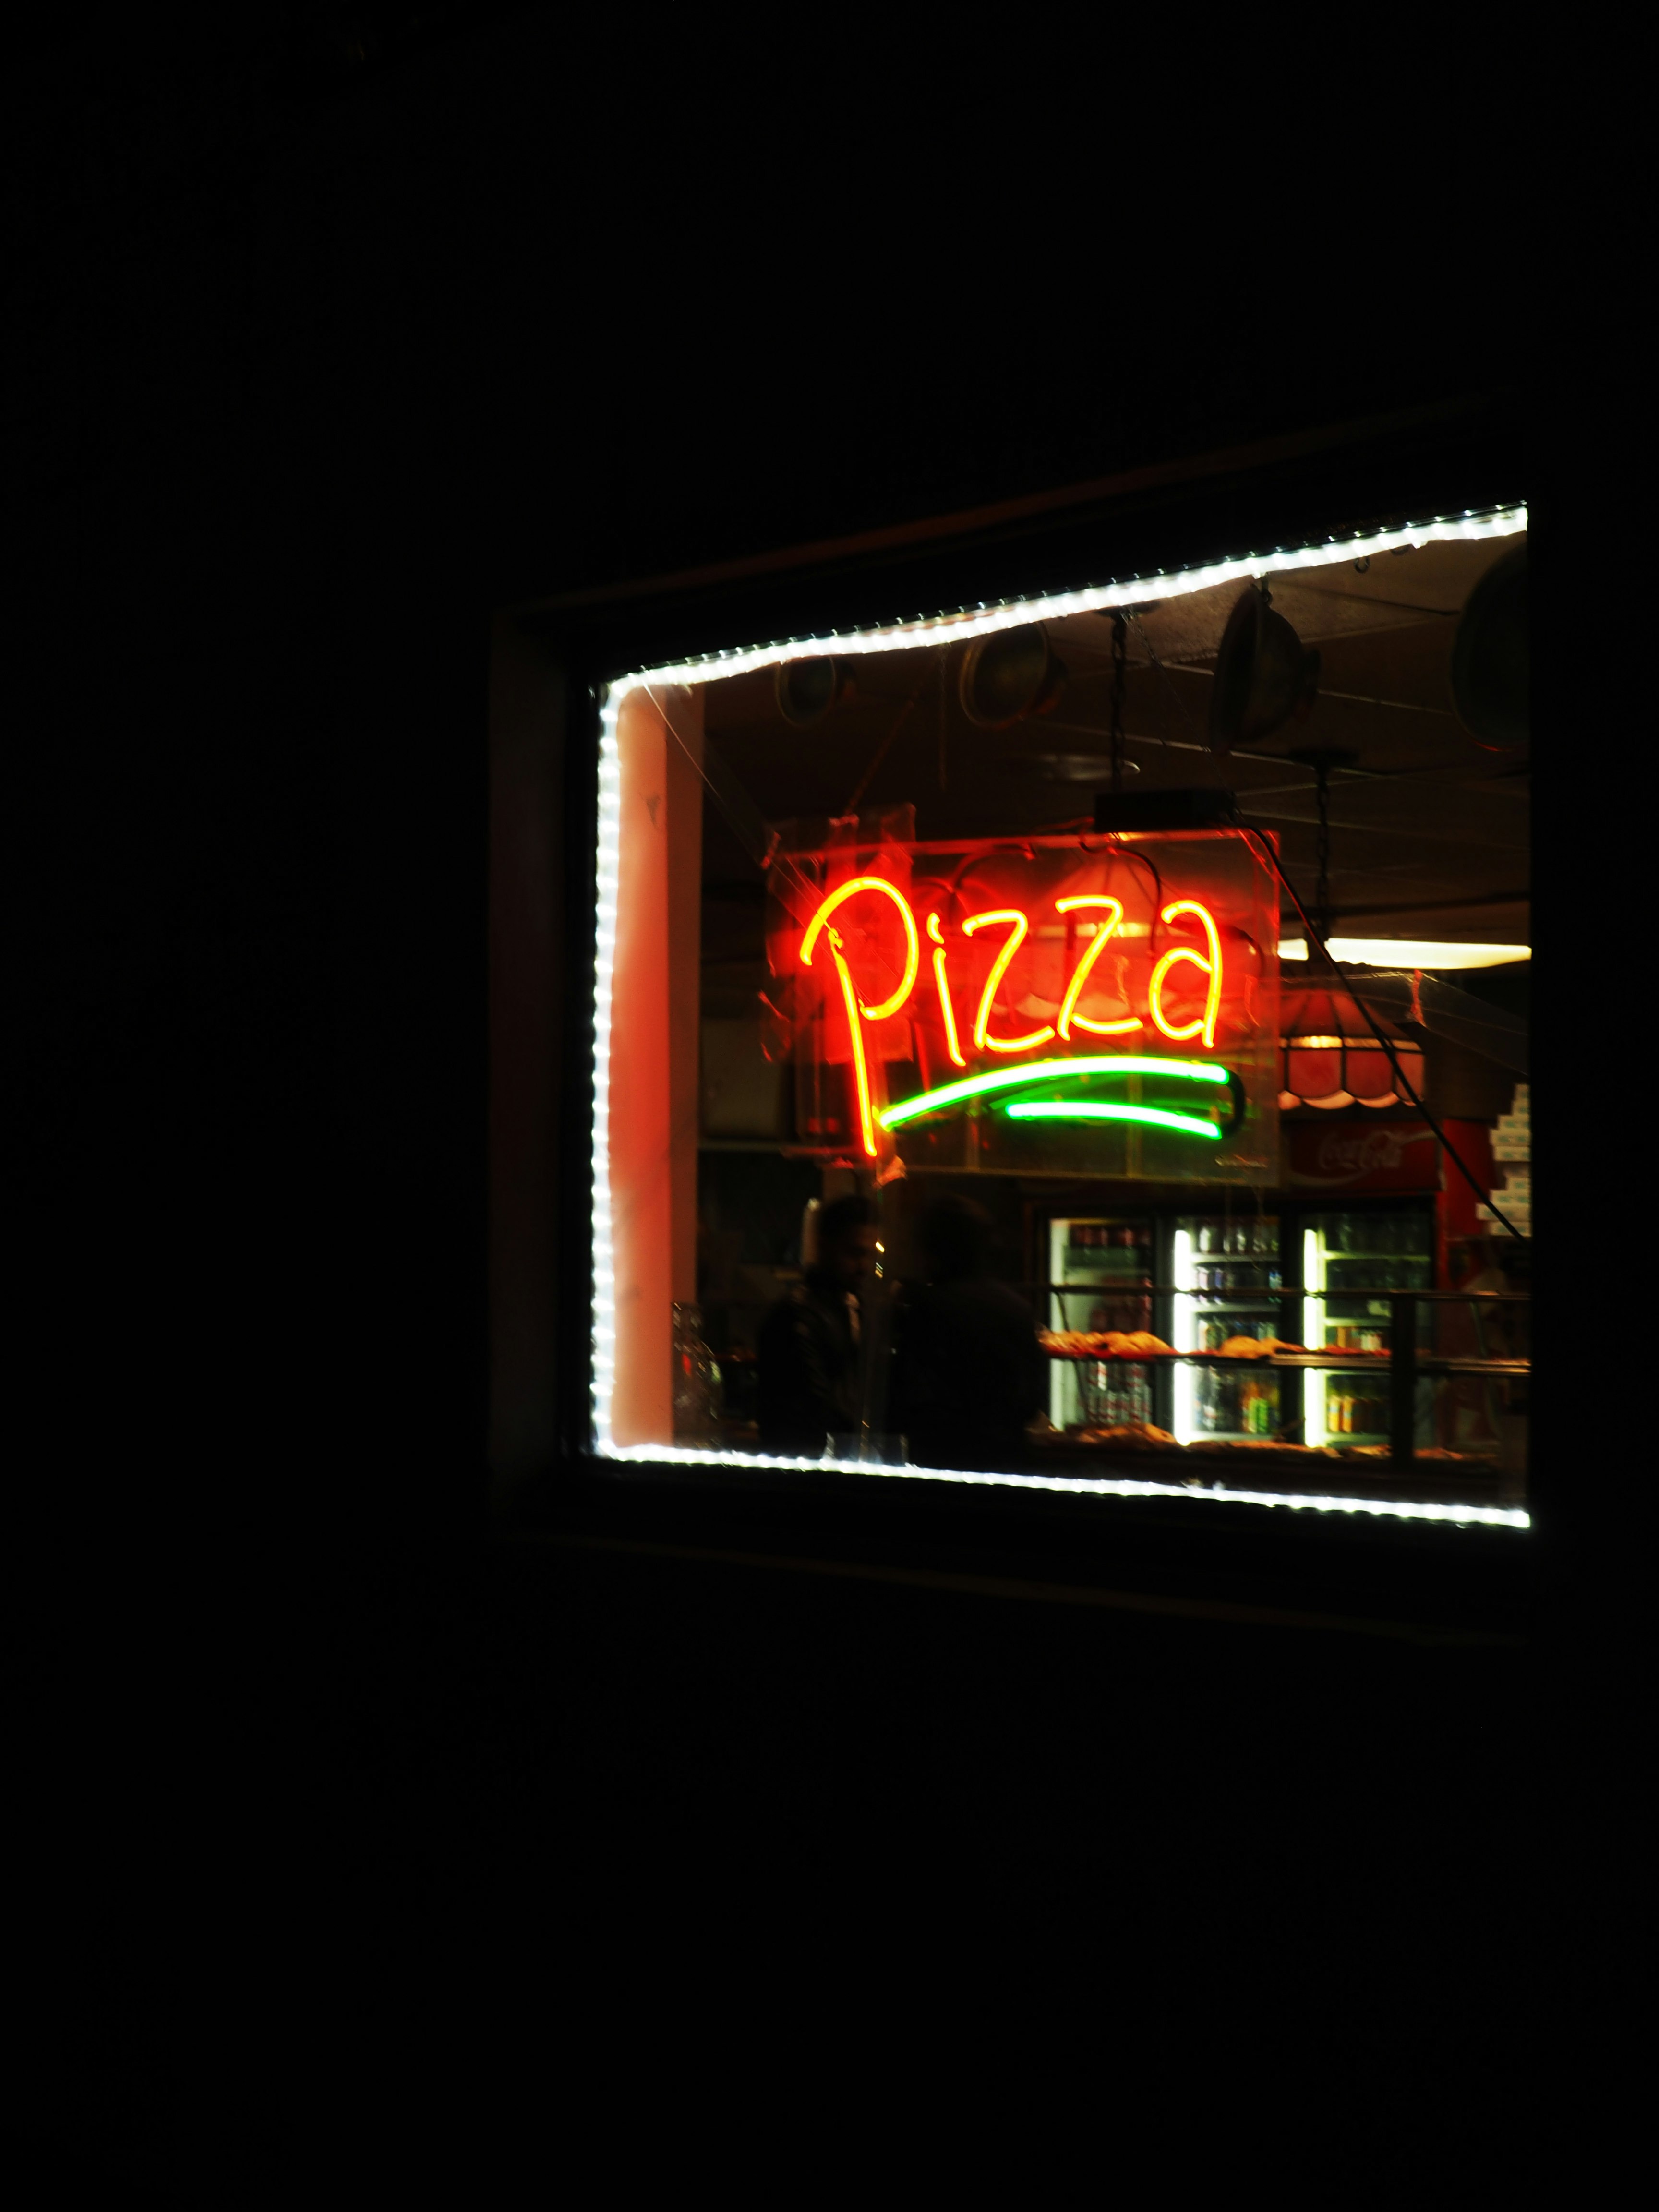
{"points": [[327, 344]]}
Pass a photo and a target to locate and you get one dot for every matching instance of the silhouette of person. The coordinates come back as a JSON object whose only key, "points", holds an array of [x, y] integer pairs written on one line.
{"points": [[810, 1371], [967, 1370]]}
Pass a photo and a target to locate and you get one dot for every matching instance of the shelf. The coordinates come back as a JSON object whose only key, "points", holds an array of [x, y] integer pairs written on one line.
{"points": [[1299, 1291], [1344, 1257], [1351, 1362]]}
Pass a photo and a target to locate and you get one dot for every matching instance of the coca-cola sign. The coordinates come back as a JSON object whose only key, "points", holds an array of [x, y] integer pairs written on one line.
{"points": [[1383, 1156]]}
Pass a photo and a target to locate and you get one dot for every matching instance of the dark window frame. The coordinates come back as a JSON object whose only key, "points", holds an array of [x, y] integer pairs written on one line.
{"points": [[1295, 492]]}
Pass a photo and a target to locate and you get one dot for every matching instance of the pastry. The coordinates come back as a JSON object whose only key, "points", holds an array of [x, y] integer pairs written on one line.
{"points": [[1128, 1433]]}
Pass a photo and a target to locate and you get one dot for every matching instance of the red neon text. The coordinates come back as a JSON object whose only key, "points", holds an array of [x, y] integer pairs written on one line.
{"points": [[913, 950], [947, 1012], [1018, 924], [1205, 1024], [1093, 951], [982, 1037]]}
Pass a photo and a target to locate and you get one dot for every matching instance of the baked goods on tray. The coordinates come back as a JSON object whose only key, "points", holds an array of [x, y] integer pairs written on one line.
{"points": [[1101, 1343], [1423, 1451], [1138, 1434], [1242, 1444]]}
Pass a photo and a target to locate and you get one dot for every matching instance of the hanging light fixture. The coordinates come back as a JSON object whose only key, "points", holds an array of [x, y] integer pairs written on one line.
{"points": [[1329, 1057], [1010, 675], [806, 690], [1183, 808], [1491, 662], [1264, 674], [1322, 759]]}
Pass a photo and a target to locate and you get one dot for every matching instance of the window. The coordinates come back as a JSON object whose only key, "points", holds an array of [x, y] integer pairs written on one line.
{"points": [[946, 920]]}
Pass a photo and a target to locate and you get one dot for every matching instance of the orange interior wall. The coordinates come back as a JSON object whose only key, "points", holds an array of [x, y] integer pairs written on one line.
{"points": [[653, 1055], [685, 787]]}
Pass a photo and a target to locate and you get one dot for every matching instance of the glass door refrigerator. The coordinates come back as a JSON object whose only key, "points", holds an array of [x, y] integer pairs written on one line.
{"points": [[1099, 1276], [1352, 1256], [1227, 1280]]}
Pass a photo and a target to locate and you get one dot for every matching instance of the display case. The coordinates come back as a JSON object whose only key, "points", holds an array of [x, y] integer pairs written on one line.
{"points": [[1227, 1283], [1353, 1263], [1099, 1278], [1440, 1344]]}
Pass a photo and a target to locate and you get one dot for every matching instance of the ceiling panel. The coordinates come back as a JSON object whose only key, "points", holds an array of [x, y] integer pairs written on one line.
{"points": [[1425, 823]]}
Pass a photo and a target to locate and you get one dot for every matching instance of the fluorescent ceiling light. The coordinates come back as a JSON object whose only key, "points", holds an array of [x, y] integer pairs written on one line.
{"points": [[1410, 952]]}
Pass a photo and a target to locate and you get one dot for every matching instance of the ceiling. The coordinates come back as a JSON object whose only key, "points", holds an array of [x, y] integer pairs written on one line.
{"points": [[1431, 832]]}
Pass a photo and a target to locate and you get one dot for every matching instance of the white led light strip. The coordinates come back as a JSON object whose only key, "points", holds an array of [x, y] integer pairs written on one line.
{"points": [[965, 623], [1497, 1517]]}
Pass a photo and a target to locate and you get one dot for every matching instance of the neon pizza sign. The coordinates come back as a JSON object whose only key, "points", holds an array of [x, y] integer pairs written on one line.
{"points": [[1061, 1004]]}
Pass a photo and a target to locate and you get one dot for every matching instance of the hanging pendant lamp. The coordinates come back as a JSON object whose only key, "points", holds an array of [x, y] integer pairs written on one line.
{"points": [[1329, 1057], [1264, 674], [1491, 665], [1009, 675], [806, 690]]}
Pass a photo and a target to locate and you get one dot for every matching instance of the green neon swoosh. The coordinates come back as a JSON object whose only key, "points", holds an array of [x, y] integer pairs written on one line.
{"points": [[1049, 1070], [1078, 1110]]}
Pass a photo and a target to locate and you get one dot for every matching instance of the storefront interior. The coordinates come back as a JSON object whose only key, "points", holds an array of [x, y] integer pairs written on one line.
{"points": [[1405, 836]]}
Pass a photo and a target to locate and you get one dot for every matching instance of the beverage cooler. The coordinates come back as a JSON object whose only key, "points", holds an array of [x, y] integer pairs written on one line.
{"points": [[1226, 1280], [1350, 1255], [1100, 1273], [1297, 1274]]}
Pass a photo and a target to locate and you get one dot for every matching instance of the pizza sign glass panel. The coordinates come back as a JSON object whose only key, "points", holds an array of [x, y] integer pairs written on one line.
{"points": [[1098, 1006]]}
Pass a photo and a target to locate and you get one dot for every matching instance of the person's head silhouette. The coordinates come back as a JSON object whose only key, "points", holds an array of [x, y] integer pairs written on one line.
{"points": [[955, 1235], [846, 1243]]}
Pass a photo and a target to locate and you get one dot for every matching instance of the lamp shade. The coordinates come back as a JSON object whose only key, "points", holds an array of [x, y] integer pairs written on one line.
{"points": [[1263, 676], [1009, 675], [1491, 663], [1329, 1057], [806, 690]]}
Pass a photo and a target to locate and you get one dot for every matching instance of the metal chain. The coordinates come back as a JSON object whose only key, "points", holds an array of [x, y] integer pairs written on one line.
{"points": [[864, 782], [1323, 893], [1120, 684]]}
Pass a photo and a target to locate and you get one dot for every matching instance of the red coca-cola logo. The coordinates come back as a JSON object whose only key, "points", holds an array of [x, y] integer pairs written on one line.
{"points": [[1364, 1151], [1376, 1158]]}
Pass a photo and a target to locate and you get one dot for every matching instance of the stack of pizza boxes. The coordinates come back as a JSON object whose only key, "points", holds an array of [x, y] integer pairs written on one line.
{"points": [[1512, 1150]]}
